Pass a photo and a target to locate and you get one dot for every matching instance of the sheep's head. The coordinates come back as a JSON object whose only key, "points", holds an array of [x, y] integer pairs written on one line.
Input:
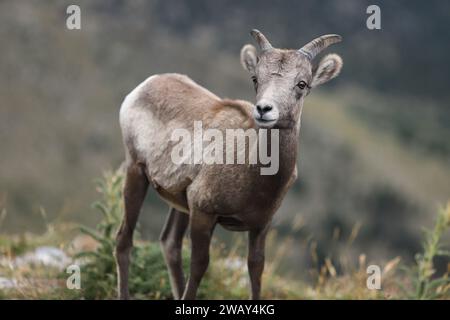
{"points": [[282, 78]]}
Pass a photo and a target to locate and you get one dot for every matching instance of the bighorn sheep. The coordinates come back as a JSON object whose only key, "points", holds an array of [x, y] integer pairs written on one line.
{"points": [[201, 195]]}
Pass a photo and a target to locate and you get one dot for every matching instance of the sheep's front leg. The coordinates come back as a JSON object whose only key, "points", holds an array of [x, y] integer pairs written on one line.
{"points": [[202, 227], [255, 261]]}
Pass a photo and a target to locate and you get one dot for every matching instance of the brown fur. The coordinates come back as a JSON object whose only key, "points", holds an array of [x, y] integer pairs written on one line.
{"points": [[236, 196]]}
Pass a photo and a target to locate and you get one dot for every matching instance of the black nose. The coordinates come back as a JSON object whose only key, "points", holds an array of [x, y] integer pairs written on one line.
{"points": [[261, 110]]}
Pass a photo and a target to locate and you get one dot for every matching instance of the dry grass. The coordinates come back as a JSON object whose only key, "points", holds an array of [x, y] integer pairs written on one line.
{"points": [[227, 276]]}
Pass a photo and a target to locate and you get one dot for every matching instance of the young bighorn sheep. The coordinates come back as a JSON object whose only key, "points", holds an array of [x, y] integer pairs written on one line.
{"points": [[235, 196]]}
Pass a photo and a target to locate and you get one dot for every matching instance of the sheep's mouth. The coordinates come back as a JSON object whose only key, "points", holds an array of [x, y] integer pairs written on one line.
{"points": [[265, 122]]}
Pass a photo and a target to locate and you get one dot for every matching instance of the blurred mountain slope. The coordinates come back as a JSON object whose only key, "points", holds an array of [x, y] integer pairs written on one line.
{"points": [[374, 145]]}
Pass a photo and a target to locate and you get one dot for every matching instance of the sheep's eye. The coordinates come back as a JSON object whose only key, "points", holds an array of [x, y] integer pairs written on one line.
{"points": [[302, 85], [255, 82]]}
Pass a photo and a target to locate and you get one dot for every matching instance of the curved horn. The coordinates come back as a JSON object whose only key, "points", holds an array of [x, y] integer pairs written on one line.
{"points": [[263, 43], [314, 47]]}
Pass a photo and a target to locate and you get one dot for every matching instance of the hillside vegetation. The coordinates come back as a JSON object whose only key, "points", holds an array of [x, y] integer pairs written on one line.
{"points": [[374, 148], [227, 275]]}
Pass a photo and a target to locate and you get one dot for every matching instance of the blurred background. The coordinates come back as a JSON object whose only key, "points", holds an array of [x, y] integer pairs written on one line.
{"points": [[374, 162]]}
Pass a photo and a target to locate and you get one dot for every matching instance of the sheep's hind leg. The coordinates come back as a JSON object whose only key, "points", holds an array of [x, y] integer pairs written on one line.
{"points": [[135, 189], [171, 244]]}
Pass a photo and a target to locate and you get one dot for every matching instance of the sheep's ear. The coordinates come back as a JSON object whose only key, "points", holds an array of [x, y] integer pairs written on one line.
{"points": [[249, 58], [328, 68]]}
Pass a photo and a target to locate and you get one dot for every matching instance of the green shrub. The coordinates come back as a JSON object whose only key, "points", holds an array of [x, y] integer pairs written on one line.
{"points": [[148, 277], [148, 274], [227, 276], [425, 284]]}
